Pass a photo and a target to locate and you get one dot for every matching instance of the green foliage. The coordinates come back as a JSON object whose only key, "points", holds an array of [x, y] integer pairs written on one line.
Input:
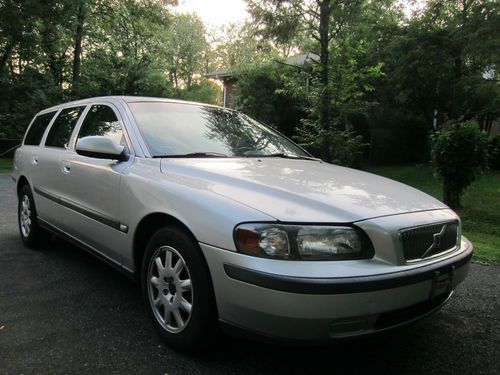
{"points": [[345, 146], [5, 165], [185, 47], [437, 62], [494, 153], [128, 47], [260, 93], [30, 90], [205, 92], [405, 76], [237, 48], [349, 87], [459, 155]]}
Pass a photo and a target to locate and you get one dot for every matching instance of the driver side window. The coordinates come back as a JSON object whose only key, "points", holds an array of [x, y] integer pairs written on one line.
{"points": [[101, 120]]}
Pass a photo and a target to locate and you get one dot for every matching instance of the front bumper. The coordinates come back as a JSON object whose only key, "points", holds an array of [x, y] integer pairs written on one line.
{"points": [[268, 298]]}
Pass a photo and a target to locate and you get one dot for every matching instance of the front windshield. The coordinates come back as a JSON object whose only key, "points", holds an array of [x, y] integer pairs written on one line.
{"points": [[176, 129]]}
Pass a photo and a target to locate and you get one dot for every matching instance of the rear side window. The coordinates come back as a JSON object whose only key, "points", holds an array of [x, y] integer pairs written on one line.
{"points": [[102, 120], [61, 129], [35, 133]]}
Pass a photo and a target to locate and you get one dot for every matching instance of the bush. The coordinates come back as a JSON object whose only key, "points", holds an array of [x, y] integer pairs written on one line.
{"points": [[494, 162], [459, 155]]}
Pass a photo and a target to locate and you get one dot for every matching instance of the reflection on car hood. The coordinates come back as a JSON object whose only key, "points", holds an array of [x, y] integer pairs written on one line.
{"points": [[299, 190]]}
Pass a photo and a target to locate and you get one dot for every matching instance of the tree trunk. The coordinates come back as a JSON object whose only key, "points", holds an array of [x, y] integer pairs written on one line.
{"points": [[77, 54], [6, 56], [451, 196], [456, 105], [324, 104]]}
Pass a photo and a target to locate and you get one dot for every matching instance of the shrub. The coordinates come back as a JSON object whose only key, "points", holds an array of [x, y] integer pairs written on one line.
{"points": [[494, 162], [459, 155]]}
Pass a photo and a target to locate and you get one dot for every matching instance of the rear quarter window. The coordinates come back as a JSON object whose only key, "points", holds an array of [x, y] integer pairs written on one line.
{"points": [[35, 132]]}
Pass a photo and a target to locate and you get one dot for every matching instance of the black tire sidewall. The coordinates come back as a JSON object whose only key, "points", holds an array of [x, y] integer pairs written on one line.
{"points": [[202, 320]]}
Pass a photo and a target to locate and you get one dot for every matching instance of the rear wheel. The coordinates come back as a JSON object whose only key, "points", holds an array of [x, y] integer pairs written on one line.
{"points": [[31, 233], [177, 289]]}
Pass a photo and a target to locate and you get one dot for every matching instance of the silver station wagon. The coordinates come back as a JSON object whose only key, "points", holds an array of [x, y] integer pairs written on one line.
{"points": [[225, 221]]}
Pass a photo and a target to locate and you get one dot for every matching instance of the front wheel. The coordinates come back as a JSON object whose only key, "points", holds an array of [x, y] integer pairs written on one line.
{"points": [[177, 289], [32, 235]]}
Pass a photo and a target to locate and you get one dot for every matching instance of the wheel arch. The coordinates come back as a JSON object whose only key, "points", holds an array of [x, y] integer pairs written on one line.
{"points": [[21, 181], [147, 227]]}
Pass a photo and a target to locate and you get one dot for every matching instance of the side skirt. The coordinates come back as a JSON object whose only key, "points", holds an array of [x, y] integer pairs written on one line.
{"points": [[89, 249]]}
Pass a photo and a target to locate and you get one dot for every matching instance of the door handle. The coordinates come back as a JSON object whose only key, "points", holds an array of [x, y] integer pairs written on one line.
{"points": [[34, 160], [66, 167]]}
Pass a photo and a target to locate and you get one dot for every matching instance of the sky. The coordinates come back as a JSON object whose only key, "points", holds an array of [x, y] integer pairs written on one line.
{"points": [[215, 13]]}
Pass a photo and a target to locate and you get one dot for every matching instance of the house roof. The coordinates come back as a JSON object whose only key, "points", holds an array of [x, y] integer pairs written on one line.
{"points": [[220, 73], [296, 60], [302, 59]]}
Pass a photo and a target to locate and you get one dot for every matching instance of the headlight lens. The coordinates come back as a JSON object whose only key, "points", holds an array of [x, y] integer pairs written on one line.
{"points": [[318, 242], [313, 242]]}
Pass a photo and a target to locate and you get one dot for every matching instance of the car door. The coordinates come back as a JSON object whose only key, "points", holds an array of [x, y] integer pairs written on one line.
{"points": [[92, 185], [50, 183], [35, 164]]}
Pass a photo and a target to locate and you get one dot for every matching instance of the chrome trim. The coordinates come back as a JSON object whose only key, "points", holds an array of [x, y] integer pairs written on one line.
{"points": [[443, 253]]}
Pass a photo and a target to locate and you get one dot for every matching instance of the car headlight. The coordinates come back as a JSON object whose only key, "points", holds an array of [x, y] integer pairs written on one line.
{"points": [[305, 242]]}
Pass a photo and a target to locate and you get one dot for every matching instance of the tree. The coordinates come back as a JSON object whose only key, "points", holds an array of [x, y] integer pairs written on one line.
{"points": [[438, 62], [185, 47], [237, 46], [260, 93], [323, 21], [77, 51], [459, 155]]}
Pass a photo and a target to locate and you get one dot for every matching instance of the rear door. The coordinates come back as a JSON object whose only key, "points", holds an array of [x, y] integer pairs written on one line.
{"points": [[51, 182], [32, 162]]}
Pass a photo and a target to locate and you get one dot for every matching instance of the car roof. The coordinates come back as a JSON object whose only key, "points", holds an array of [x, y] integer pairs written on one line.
{"points": [[126, 99]]}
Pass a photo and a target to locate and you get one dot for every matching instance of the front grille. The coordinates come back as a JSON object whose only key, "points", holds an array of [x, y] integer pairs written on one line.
{"points": [[429, 240]]}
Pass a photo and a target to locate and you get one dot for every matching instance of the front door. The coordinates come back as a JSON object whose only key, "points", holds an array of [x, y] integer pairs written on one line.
{"points": [[92, 188]]}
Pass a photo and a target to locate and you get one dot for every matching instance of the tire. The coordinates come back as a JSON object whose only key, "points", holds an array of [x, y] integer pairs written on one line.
{"points": [[32, 235], [177, 290]]}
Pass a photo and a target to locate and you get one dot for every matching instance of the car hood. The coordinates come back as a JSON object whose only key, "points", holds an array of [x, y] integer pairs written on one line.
{"points": [[294, 190]]}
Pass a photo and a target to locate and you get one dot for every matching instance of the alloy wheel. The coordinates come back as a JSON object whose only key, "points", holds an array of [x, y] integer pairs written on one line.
{"points": [[170, 289], [25, 216]]}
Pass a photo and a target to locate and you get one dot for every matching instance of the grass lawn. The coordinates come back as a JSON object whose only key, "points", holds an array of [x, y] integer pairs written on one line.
{"points": [[5, 165], [481, 205]]}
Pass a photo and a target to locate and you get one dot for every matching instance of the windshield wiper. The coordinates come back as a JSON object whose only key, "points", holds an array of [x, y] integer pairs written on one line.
{"points": [[194, 155], [283, 155]]}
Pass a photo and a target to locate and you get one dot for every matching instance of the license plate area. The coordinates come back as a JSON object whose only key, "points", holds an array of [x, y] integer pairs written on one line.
{"points": [[441, 283]]}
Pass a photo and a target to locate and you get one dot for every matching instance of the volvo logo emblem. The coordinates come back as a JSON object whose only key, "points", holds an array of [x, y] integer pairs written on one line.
{"points": [[436, 243]]}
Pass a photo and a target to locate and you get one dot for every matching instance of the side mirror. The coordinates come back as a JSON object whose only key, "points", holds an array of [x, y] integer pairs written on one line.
{"points": [[100, 147]]}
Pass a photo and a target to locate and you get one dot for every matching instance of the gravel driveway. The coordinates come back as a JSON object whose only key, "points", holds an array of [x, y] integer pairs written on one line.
{"points": [[62, 311]]}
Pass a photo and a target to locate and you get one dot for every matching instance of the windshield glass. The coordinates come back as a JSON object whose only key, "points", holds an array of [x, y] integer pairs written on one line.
{"points": [[176, 129]]}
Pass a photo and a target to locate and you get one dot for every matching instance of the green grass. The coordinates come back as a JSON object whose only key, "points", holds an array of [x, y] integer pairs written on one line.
{"points": [[5, 165], [481, 205]]}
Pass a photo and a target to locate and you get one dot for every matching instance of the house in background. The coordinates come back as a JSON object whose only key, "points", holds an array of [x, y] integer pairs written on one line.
{"points": [[228, 80]]}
